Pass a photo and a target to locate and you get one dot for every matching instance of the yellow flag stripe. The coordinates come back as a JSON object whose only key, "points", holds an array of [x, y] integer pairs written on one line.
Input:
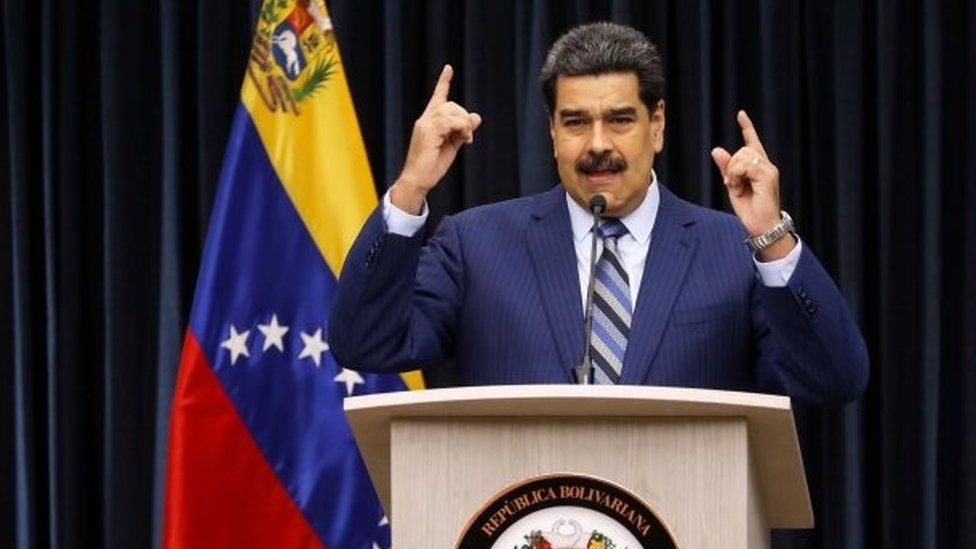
{"points": [[317, 152]]}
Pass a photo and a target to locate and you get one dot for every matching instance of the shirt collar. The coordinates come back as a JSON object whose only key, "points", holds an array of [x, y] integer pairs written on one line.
{"points": [[639, 222]]}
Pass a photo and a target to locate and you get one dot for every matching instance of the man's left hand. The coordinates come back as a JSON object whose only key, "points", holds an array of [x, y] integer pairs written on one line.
{"points": [[753, 185]]}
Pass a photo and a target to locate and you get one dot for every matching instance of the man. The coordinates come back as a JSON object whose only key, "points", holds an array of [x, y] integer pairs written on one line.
{"points": [[679, 299]]}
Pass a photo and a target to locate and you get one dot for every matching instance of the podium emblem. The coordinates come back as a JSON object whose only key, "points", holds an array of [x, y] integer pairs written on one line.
{"points": [[565, 511]]}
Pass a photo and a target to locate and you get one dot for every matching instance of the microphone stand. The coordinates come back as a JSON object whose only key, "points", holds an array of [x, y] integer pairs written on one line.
{"points": [[584, 371]]}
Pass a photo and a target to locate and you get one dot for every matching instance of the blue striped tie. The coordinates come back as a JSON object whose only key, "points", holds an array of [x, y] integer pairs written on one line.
{"points": [[611, 307]]}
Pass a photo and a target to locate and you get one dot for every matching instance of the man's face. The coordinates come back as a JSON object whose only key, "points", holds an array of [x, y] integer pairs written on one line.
{"points": [[604, 139]]}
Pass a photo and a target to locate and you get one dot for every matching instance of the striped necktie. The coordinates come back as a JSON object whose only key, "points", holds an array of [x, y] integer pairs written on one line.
{"points": [[611, 307]]}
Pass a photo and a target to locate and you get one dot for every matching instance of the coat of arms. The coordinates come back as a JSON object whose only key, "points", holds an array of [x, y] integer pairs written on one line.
{"points": [[519, 516], [567, 535], [293, 54]]}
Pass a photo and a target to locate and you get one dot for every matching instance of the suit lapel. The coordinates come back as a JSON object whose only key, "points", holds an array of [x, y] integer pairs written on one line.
{"points": [[673, 245], [550, 241]]}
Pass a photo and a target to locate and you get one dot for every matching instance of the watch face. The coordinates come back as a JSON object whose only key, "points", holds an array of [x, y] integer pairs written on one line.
{"points": [[766, 239]]}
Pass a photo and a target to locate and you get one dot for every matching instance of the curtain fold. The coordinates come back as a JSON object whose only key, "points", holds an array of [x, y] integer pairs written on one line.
{"points": [[113, 124]]}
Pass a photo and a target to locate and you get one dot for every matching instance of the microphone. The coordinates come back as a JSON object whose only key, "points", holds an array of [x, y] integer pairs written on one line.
{"points": [[584, 372]]}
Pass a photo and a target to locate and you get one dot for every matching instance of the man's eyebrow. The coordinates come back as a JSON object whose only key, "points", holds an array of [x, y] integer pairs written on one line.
{"points": [[622, 111], [570, 113]]}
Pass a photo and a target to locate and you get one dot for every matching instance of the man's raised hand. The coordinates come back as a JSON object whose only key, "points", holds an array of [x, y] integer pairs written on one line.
{"points": [[753, 185], [442, 129]]}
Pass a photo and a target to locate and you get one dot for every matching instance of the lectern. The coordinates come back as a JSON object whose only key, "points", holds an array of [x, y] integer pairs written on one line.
{"points": [[718, 468]]}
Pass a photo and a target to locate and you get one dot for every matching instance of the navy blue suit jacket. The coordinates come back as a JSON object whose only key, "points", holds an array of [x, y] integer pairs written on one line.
{"points": [[497, 289]]}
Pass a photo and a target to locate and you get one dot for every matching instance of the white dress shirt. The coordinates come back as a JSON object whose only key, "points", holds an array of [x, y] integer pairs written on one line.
{"points": [[632, 247]]}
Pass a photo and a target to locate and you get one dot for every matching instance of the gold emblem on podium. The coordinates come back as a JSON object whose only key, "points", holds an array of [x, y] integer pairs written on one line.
{"points": [[565, 511]]}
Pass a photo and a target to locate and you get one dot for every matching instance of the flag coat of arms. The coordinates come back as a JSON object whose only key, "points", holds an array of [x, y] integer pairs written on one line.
{"points": [[260, 454]]}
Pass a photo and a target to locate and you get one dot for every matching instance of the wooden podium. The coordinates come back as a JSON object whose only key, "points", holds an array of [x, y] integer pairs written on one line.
{"points": [[718, 468]]}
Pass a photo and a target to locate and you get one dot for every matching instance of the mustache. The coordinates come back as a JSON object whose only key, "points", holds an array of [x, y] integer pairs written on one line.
{"points": [[602, 162]]}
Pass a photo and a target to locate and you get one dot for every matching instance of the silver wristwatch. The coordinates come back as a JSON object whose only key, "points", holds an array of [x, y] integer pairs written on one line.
{"points": [[779, 230]]}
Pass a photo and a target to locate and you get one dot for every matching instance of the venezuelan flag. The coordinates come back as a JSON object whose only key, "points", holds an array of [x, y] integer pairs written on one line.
{"points": [[260, 454]]}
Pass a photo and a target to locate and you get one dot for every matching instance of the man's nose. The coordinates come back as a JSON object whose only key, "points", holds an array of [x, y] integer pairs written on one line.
{"points": [[600, 141]]}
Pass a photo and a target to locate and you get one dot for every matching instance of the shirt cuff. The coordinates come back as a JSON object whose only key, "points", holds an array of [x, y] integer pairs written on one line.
{"points": [[400, 222], [777, 273]]}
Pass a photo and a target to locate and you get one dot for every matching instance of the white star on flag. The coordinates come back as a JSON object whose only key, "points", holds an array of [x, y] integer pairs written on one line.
{"points": [[236, 344], [383, 522], [314, 347], [273, 332], [350, 377]]}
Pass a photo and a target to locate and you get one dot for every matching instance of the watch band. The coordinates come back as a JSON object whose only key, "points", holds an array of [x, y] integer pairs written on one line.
{"points": [[779, 230]]}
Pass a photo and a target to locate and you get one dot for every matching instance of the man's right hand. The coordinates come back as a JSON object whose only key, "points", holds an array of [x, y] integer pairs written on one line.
{"points": [[440, 132]]}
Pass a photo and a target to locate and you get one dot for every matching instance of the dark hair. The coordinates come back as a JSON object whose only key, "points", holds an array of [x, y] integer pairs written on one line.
{"points": [[602, 48]]}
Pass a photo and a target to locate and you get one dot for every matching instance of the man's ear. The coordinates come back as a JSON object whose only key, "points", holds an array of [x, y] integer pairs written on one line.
{"points": [[552, 134], [657, 126]]}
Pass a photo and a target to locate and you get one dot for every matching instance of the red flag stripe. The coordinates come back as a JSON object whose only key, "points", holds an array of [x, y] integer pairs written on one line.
{"points": [[244, 505]]}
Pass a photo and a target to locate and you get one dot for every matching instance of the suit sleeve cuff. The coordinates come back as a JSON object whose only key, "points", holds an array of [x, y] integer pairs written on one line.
{"points": [[776, 274], [399, 222]]}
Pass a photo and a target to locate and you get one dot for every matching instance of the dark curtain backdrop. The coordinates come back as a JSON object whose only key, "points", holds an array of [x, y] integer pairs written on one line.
{"points": [[114, 117]]}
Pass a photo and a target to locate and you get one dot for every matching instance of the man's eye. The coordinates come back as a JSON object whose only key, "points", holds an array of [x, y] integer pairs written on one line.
{"points": [[573, 122], [620, 120]]}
